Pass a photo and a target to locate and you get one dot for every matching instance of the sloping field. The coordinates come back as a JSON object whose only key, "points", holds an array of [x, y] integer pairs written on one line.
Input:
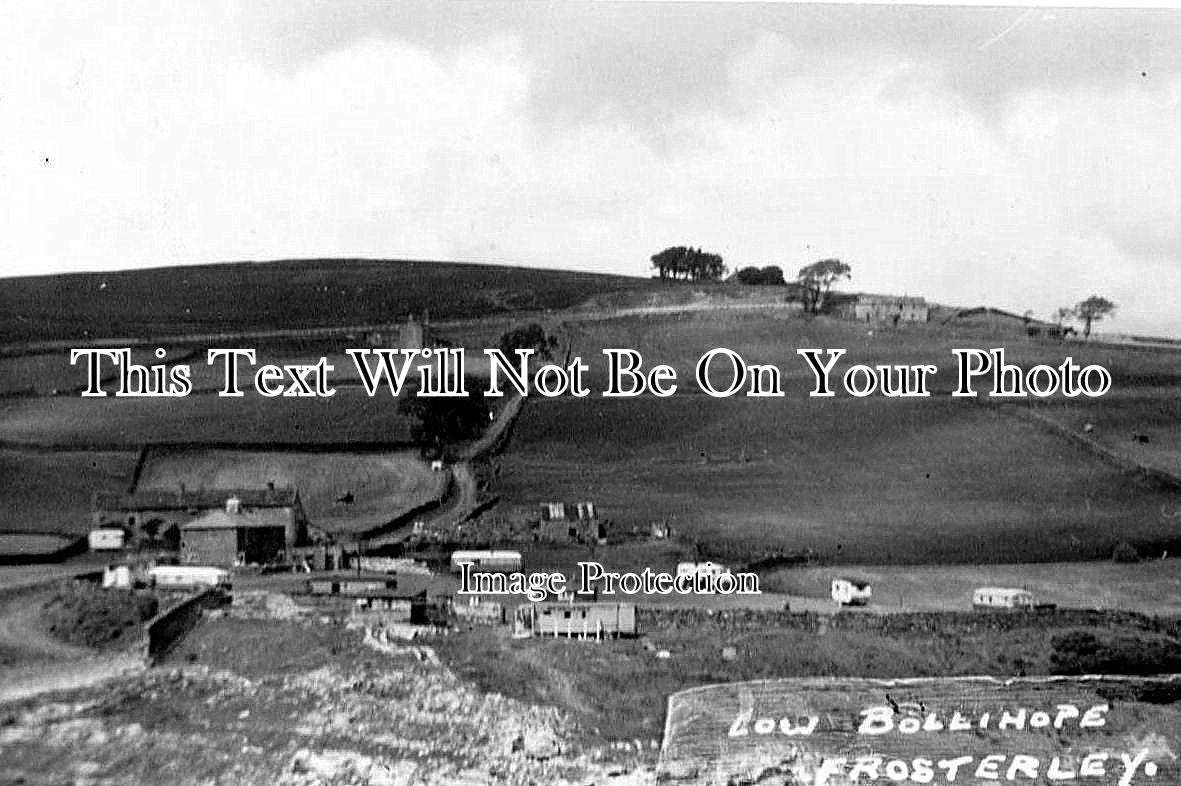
{"points": [[289, 294], [773, 338], [869, 481], [51, 491], [51, 373], [918, 481], [378, 487], [105, 423], [1141, 424]]}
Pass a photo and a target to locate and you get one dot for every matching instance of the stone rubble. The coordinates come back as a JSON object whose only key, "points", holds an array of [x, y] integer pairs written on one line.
{"points": [[403, 721]]}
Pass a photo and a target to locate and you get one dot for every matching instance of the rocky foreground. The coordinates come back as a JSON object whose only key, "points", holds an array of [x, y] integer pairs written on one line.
{"points": [[394, 716]]}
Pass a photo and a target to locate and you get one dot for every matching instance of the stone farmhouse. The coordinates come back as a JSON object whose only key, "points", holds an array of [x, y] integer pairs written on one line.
{"points": [[889, 310], [161, 516]]}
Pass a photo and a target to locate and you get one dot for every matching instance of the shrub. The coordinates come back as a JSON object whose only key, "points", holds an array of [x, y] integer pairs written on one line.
{"points": [[1125, 553], [93, 617], [1087, 652]]}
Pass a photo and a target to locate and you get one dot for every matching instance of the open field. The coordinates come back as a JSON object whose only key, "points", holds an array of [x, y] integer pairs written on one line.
{"points": [[51, 373], [111, 423], [1150, 587], [1151, 411], [51, 491], [852, 480], [294, 294], [18, 547], [918, 481], [680, 340], [383, 485]]}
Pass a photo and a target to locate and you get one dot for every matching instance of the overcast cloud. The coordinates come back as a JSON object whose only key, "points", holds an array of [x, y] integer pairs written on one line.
{"points": [[1021, 158]]}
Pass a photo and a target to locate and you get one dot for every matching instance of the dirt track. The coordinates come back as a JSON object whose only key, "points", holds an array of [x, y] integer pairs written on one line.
{"points": [[38, 663], [21, 635]]}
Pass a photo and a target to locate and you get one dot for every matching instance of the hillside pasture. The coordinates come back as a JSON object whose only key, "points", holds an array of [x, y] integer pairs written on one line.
{"points": [[51, 373], [762, 337], [51, 491], [349, 417], [286, 294], [343, 372], [850, 480], [382, 486], [1124, 417], [20, 547], [619, 689]]}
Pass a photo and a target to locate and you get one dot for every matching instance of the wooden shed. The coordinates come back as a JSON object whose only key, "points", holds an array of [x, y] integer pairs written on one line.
{"points": [[581, 620]]}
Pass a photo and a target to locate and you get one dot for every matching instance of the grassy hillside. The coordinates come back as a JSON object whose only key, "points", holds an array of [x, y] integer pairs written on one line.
{"points": [[283, 294], [202, 419], [855, 480], [52, 491]]}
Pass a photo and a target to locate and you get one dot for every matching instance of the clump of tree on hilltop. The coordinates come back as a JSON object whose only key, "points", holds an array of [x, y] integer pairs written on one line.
{"points": [[771, 275], [693, 264], [690, 264]]}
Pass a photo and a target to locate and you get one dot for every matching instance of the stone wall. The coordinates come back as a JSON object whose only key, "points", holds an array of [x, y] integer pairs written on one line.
{"points": [[168, 627]]}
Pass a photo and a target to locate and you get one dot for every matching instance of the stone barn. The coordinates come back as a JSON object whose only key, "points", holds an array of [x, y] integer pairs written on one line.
{"points": [[890, 310], [233, 536]]}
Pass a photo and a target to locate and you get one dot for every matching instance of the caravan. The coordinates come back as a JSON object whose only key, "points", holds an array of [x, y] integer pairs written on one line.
{"points": [[487, 561], [1002, 598], [188, 577], [851, 592]]}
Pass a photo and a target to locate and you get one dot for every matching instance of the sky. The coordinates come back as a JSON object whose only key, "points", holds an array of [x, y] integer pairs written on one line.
{"points": [[1024, 158]]}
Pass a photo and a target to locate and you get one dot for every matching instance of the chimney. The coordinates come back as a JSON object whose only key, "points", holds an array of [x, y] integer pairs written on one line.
{"points": [[233, 505]]}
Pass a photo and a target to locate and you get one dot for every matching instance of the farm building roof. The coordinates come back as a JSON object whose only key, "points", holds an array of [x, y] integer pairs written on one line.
{"points": [[220, 519], [546, 606], [184, 499], [891, 300]]}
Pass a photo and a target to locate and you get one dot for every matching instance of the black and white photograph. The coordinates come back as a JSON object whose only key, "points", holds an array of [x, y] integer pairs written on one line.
{"points": [[489, 393]]}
